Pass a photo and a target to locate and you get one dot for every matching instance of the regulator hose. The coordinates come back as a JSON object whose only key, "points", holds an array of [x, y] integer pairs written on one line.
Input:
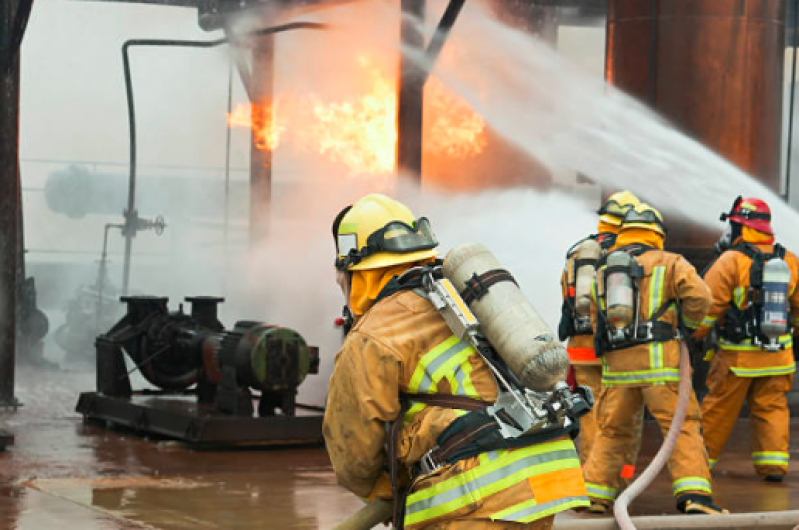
{"points": [[663, 454]]}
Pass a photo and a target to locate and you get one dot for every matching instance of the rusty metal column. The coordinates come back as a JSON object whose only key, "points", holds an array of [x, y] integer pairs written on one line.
{"points": [[712, 67], [9, 204], [261, 92], [410, 102]]}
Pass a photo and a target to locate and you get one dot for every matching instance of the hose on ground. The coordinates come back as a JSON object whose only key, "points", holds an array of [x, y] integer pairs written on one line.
{"points": [[620, 510], [369, 516]]}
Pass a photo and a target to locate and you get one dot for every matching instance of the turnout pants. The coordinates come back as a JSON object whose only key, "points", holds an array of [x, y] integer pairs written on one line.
{"points": [[617, 410], [591, 376], [769, 415]]}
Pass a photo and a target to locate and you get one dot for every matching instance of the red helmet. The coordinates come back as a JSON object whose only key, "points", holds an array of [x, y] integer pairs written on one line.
{"points": [[750, 212]]}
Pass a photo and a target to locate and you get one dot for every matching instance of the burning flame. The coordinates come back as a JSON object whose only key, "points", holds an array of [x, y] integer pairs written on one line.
{"points": [[361, 133]]}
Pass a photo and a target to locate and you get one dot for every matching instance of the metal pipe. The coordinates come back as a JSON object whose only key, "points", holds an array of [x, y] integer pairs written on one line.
{"points": [[785, 520], [131, 216]]}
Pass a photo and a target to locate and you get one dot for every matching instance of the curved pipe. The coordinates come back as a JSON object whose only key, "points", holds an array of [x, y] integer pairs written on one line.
{"points": [[130, 214], [663, 454]]}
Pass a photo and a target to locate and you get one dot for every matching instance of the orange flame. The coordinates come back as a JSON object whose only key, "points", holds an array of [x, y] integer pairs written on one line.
{"points": [[361, 133], [262, 121]]}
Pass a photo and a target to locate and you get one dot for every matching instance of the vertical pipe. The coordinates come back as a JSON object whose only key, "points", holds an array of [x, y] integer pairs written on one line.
{"points": [[410, 92], [226, 205], [9, 206], [262, 88]]}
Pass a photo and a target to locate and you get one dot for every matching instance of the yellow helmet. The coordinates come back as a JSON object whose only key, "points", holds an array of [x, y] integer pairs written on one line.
{"points": [[618, 204], [646, 217], [377, 231]]}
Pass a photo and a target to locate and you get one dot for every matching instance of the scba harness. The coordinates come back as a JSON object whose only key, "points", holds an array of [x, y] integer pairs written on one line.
{"points": [[767, 301], [618, 294], [571, 324]]}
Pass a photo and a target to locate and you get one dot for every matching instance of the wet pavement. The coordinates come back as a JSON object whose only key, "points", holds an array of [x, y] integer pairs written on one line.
{"points": [[62, 472]]}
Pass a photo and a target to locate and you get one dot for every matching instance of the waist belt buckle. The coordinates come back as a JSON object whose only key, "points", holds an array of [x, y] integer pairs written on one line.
{"points": [[429, 463], [647, 329]]}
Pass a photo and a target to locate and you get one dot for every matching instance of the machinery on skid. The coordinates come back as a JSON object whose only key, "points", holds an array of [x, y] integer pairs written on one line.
{"points": [[208, 378]]}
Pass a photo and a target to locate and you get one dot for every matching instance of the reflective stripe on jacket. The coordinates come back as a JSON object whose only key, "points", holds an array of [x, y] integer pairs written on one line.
{"points": [[728, 280], [403, 345], [667, 278]]}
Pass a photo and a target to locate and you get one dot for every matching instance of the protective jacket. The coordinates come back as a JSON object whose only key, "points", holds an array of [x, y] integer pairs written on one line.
{"points": [[668, 281], [579, 346], [402, 345], [728, 280]]}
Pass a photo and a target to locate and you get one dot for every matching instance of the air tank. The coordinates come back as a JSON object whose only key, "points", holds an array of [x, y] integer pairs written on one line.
{"points": [[509, 321], [588, 253], [619, 290], [774, 314]]}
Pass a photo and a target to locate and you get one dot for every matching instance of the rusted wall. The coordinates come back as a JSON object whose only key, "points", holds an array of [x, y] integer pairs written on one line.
{"points": [[712, 67]]}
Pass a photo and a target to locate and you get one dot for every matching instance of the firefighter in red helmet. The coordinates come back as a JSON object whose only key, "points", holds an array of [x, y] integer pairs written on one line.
{"points": [[755, 309]]}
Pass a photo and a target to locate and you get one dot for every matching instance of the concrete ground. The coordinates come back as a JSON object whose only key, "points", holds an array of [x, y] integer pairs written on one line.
{"points": [[63, 474]]}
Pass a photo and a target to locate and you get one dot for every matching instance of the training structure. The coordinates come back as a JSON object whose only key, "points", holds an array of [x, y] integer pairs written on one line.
{"points": [[214, 386]]}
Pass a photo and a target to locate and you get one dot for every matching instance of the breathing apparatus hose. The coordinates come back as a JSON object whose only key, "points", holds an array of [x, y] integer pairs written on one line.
{"points": [[663, 454]]}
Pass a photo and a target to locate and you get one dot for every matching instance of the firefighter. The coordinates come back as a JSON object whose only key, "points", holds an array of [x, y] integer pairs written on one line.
{"points": [[640, 293], [576, 327], [755, 308], [402, 377]]}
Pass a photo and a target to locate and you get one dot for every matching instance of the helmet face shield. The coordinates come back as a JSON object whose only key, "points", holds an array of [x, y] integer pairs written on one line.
{"points": [[396, 237]]}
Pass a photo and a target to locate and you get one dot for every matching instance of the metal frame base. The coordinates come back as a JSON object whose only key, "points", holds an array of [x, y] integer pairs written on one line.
{"points": [[180, 419]]}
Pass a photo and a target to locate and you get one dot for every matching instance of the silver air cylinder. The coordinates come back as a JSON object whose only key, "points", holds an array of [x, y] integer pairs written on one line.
{"points": [[509, 321], [776, 284], [588, 253]]}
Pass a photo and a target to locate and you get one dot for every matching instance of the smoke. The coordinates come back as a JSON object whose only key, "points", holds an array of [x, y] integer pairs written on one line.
{"points": [[553, 112]]}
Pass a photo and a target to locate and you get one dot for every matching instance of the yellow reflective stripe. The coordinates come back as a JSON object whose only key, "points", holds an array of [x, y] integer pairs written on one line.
{"points": [[420, 374], [655, 290], [529, 511], [463, 381], [691, 484], [709, 321], [661, 375], [746, 345], [739, 297], [712, 463], [600, 492], [764, 372], [485, 480], [693, 324], [411, 413], [770, 458]]}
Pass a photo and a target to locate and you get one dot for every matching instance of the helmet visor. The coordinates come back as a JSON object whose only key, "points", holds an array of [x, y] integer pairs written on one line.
{"points": [[614, 209], [396, 236]]}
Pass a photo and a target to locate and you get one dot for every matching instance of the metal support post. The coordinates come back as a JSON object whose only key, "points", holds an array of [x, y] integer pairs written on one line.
{"points": [[9, 201], [410, 92], [262, 89]]}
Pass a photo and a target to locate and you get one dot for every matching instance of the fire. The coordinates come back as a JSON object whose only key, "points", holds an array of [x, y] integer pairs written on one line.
{"points": [[262, 121], [361, 133]]}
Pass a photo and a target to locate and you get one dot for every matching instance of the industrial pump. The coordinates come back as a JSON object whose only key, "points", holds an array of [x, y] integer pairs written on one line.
{"points": [[175, 351]]}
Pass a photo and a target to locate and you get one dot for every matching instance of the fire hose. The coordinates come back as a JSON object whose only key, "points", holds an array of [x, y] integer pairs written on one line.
{"points": [[663, 454]]}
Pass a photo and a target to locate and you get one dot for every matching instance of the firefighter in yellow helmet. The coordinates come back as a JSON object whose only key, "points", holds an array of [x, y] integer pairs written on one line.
{"points": [[402, 377], [640, 292], [755, 308], [575, 322]]}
